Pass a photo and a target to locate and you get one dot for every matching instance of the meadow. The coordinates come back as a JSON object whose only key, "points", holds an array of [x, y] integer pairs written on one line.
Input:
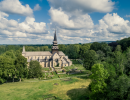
{"points": [[61, 89]]}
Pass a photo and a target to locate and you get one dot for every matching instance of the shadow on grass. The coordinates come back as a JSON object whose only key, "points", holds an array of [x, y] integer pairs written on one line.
{"points": [[69, 81], [79, 94], [75, 62], [50, 97], [83, 77]]}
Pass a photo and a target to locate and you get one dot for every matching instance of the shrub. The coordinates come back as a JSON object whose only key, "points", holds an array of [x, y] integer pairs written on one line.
{"points": [[56, 71], [50, 68], [59, 76]]}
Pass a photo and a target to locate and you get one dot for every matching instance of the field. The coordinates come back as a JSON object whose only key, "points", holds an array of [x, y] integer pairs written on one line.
{"points": [[59, 87], [69, 89]]}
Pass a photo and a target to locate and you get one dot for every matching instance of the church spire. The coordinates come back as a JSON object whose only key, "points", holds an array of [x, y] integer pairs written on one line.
{"points": [[55, 38], [55, 45]]}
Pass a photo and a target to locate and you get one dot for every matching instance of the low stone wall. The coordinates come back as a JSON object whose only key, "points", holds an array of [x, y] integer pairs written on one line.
{"points": [[62, 73], [58, 69]]}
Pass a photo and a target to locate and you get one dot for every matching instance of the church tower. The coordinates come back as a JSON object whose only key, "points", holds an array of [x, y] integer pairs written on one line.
{"points": [[55, 45]]}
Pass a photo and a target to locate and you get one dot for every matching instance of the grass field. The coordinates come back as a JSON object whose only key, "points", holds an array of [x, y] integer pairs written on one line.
{"points": [[69, 89]]}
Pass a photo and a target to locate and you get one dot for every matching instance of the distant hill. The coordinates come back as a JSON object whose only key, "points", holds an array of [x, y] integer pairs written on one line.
{"points": [[104, 41]]}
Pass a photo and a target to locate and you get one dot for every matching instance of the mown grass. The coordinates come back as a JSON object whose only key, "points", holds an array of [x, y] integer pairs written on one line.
{"points": [[46, 69], [65, 90]]}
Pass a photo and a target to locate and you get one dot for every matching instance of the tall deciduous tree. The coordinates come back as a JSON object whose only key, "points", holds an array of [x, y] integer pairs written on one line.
{"points": [[21, 66], [83, 50], [90, 58], [99, 75], [35, 69]]}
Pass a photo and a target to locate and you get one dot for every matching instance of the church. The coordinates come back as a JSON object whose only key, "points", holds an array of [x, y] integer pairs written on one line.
{"points": [[48, 58]]}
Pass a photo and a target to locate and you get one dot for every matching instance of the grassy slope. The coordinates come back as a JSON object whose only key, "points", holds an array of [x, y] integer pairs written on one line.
{"points": [[35, 90]]}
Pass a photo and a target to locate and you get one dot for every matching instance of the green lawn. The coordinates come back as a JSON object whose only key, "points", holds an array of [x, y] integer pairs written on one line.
{"points": [[70, 89], [46, 69]]}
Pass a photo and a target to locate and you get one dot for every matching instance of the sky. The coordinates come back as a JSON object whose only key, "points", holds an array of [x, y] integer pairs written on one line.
{"points": [[75, 21]]}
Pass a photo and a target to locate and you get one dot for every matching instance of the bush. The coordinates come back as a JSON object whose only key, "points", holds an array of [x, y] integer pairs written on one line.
{"points": [[56, 71]]}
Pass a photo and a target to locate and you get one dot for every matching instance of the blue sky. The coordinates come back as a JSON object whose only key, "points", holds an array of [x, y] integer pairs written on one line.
{"points": [[76, 21]]}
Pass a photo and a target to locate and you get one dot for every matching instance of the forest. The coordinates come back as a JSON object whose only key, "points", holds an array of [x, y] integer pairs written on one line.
{"points": [[109, 64]]}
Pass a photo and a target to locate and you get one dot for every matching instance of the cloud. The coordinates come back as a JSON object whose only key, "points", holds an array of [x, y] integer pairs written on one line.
{"points": [[127, 16], [115, 24], [73, 22], [85, 6], [15, 7], [26, 29], [70, 22], [60, 18], [37, 7], [110, 28]]}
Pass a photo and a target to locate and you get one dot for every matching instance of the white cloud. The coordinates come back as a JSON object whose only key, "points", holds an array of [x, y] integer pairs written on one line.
{"points": [[15, 7], [61, 19], [73, 23], [37, 7], [115, 24], [110, 28], [20, 34], [85, 6], [127, 16], [14, 29]]}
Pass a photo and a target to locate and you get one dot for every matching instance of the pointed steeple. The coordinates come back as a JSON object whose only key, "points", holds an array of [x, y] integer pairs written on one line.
{"points": [[55, 38], [55, 45]]}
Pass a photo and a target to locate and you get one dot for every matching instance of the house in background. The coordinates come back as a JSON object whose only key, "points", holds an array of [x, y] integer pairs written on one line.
{"points": [[48, 58]]}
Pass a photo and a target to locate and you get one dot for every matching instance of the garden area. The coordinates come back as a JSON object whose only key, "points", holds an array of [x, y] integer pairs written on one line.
{"points": [[75, 69]]}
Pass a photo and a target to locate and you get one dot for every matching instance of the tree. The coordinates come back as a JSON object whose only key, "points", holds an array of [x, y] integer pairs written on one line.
{"points": [[72, 51], [119, 89], [95, 46], [83, 49], [6, 67], [98, 85], [90, 58], [62, 47], [118, 48], [127, 65], [35, 69], [100, 55], [21, 67]]}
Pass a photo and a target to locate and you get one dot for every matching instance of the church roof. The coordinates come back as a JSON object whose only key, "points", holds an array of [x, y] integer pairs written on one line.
{"points": [[41, 53], [38, 53], [61, 53]]}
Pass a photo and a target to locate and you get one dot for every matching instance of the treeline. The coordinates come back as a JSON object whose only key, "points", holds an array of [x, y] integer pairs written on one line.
{"points": [[110, 67], [4, 48], [13, 67]]}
